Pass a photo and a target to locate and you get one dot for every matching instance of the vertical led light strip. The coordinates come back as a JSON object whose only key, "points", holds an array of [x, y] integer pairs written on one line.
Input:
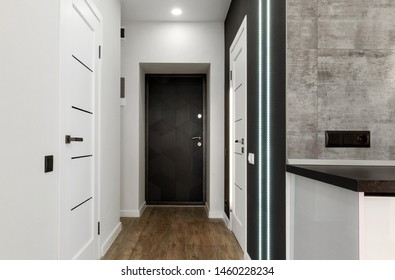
{"points": [[268, 130], [260, 150], [261, 92]]}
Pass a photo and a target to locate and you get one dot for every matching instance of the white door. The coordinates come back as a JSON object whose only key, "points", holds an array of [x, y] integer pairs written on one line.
{"points": [[79, 92], [238, 84]]}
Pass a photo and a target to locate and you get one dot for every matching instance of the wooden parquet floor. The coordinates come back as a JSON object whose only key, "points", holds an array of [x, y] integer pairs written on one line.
{"points": [[174, 233]]}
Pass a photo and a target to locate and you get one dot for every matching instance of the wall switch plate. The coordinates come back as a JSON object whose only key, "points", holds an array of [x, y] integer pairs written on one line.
{"points": [[48, 162], [251, 158], [347, 139]]}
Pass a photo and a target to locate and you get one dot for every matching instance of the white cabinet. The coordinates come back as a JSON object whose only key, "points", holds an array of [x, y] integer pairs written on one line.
{"points": [[328, 222], [324, 221], [379, 228]]}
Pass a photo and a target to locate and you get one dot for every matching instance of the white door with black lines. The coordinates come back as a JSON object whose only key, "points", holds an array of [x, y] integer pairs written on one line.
{"points": [[81, 35], [238, 105]]}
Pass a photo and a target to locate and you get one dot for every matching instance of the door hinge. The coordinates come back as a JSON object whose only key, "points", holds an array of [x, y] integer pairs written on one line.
{"points": [[122, 32], [231, 75], [98, 228], [99, 52]]}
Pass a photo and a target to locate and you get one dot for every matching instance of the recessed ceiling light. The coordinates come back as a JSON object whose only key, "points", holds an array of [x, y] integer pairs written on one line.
{"points": [[176, 11]]}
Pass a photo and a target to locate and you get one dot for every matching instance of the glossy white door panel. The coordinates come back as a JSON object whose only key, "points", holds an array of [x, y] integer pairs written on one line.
{"points": [[238, 162], [81, 91], [240, 101], [81, 125], [80, 87], [81, 235], [88, 11], [83, 36], [81, 182], [239, 134], [239, 68], [240, 171], [239, 206], [239, 129]]}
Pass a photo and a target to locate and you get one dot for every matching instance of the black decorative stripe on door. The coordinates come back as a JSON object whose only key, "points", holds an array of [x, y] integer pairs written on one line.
{"points": [[175, 139]]}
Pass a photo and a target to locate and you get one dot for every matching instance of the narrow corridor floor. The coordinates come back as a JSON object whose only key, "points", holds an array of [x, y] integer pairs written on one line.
{"points": [[174, 233]]}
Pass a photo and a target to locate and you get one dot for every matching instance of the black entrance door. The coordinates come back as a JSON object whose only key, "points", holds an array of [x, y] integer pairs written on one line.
{"points": [[175, 146]]}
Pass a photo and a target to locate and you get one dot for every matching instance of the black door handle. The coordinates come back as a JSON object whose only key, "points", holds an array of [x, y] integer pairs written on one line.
{"points": [[69, 139], [240, 141]]}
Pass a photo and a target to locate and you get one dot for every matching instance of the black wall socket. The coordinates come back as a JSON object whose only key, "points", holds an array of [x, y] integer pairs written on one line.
{"points": [[347, 139]]}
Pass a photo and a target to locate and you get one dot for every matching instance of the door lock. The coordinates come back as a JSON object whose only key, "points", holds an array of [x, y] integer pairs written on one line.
{"points": [[69, 139], [240, 141]]}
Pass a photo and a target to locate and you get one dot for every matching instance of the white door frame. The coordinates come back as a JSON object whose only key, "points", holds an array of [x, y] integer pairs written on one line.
{"points": [[66, 37], [242, 30]]}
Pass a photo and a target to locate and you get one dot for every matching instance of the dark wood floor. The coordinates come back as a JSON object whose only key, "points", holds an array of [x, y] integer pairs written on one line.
{"points": [[174, 233]]}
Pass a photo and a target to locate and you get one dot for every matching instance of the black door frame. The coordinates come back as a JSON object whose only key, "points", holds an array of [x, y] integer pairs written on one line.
{"points": [[204, 142]]}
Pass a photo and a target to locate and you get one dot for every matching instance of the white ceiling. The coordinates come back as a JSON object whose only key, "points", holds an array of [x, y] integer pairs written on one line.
{"points": [[160, 10]]}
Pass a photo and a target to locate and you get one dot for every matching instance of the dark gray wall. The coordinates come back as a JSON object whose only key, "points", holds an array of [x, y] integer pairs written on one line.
{"points": [[265, 181]]}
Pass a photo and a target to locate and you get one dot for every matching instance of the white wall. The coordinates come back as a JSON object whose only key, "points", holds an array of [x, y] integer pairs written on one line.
{"points": [[29, 70], [110, 122], [170, 42]]}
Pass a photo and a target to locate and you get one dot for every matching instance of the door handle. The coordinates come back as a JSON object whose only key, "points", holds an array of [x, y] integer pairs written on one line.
{"points": [[240, 141], [197, 138], [69, 139]]}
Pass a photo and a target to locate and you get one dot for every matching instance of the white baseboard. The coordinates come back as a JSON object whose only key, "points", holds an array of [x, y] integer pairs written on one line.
{"points": [[142, 208], [110, 239], [213, 214], [134, 213], [130, 213], [216, 215], [207, 209], [226, 220]]}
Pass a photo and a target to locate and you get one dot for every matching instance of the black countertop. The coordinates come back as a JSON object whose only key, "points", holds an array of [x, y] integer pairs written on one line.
{"points": [[373, 180]]}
